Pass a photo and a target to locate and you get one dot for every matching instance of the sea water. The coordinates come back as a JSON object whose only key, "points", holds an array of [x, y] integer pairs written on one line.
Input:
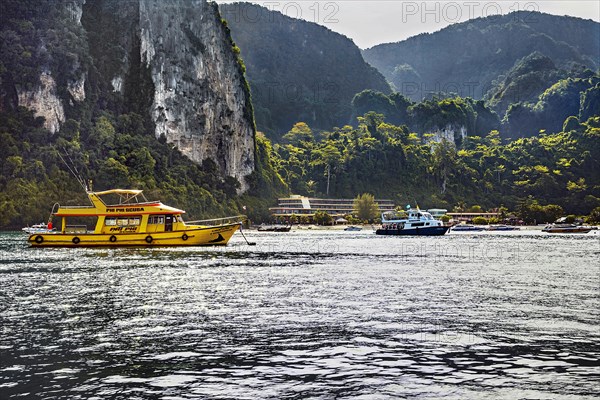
{"points": [[305, 315]]}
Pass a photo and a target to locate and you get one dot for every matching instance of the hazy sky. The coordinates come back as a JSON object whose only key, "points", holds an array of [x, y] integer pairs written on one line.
{"points": [[373, 22]]}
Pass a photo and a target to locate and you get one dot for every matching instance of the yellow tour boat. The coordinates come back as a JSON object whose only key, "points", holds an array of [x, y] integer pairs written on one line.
{"points": [[131, 223]]}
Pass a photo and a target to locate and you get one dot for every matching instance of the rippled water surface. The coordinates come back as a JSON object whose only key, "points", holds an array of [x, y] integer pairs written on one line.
{"points": [[305, 314]]}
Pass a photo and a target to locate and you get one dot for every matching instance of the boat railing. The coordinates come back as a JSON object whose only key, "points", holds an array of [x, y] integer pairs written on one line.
{"points": [[237, 219]]}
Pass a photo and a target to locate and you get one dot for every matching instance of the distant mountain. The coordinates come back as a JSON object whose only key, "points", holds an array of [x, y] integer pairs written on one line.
{"points": [[524, 82], [298, 70], [473, 57]]}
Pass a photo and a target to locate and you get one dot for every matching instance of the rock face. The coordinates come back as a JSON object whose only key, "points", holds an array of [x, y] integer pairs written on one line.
{"points": [[44, 100], [200, 103], [171, 61], [450, 133]]}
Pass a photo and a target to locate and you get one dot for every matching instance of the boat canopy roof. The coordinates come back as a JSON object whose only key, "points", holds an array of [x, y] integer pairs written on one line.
{"points": [[133, 192], [128, 204], [125, 195]]}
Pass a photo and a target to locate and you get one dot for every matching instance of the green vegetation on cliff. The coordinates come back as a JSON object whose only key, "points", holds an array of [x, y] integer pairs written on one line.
{"points": [[113, 152]]}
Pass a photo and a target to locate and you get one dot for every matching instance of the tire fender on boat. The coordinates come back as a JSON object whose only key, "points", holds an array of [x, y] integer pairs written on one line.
{"points": [[112, 239], [184, 237], [76, 240], [149, 239], [39, 239]]}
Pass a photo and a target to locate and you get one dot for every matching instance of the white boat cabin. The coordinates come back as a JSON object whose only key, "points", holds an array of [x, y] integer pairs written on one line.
{"points": [[413, 218]]}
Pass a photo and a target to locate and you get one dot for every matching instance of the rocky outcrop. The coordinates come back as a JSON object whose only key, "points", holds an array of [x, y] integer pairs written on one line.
{"points": [[43, 99], [450, 132]]}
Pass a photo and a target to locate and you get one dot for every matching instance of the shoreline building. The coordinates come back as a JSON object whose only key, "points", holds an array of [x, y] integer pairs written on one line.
{"points": [[308, 206]]}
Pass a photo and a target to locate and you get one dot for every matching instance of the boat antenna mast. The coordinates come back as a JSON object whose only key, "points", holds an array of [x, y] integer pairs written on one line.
{"points": [[73, 169]]}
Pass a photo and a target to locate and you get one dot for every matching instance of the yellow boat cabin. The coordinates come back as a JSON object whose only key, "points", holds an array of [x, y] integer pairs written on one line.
{"points": [[131, 222]]}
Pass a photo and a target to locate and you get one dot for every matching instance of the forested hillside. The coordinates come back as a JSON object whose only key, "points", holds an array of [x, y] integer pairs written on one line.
{"points": [[472, 58], [390, 161], [298, 70]]}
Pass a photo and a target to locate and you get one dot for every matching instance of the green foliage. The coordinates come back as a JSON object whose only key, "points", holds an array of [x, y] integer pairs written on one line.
{"points": [[524, 82], [429, 115], [365, 207], [567, 98], [530, 211], [391, 162], [570, 218], [480, 221], [322, 218], [300, 132], [593, 218]]}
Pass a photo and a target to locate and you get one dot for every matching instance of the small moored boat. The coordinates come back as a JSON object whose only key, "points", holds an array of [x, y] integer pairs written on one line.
{"points": [[503, 228], [417, 222], [353, 228], [566, 228], [131, 222], [467, 228], [275, 228], [37, 228]]}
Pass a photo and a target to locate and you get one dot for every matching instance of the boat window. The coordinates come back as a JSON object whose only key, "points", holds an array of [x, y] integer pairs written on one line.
{"points": [[156, 219], [122, 221]]}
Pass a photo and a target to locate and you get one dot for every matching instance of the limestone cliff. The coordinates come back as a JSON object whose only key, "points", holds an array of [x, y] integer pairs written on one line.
{"points": [[451, 132], [171, 61], [200, 103], [43, 98]]}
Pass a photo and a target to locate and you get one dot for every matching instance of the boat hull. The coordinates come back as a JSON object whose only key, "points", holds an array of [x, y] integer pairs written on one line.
{"points": [[202, 236], [426, 231], [567, 230]]}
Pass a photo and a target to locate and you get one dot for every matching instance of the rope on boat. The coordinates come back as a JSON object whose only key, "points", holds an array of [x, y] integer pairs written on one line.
{"points": [[244, 236]]}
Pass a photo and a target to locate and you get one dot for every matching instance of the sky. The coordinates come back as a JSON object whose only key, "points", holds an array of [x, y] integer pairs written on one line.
{"points": [[369, 23]]}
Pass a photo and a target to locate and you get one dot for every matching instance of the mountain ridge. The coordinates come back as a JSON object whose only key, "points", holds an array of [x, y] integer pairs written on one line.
{"points": [[483, 49]]}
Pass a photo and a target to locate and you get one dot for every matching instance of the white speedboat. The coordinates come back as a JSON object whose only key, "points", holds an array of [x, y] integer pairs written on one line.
{"points": [[417, 222], [566, 228], [37, 228]]}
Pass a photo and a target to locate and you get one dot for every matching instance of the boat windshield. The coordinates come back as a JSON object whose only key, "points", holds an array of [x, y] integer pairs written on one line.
{"points": [[393, 215]]}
